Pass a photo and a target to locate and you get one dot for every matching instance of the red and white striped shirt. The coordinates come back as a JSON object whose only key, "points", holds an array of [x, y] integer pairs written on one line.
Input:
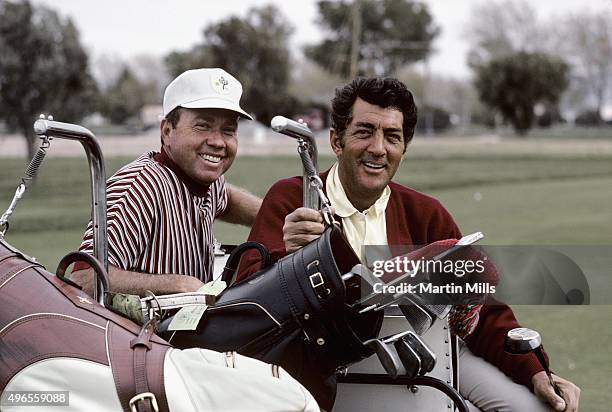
{"points": [[157, 222]]}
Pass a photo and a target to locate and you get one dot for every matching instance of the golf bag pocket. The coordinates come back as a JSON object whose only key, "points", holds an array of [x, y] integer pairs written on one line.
{"points": [[230, 382]]}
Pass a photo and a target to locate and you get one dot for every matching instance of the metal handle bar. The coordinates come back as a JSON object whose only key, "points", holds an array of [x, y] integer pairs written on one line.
{"points": [[380, 379], [99, 273], [51, 128]]}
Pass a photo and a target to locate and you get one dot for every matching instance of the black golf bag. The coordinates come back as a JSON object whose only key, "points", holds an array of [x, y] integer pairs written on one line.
{"points": [[294, 313]]}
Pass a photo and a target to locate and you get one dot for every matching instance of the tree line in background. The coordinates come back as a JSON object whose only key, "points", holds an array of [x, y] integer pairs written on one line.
{"points": [[565, 61], [43, 67], [525, 70]]}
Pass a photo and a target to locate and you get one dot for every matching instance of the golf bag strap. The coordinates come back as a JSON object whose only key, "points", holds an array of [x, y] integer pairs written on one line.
{"points": [[144, 400], [138, 368], [311, 325], [229, 271], [91, 332], [317, 280]]}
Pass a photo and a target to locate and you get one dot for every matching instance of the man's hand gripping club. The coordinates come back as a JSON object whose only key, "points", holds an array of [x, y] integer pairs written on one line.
{"points": [[301, 227]]}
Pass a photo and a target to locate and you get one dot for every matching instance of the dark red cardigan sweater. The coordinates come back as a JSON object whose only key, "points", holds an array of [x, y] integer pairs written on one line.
{"points": [[413, 218]]}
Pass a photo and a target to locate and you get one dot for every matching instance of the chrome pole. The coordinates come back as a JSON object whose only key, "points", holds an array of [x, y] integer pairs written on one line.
{"points": [[51, 128]]}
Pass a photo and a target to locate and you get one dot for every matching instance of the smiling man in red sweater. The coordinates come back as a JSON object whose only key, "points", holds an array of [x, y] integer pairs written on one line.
{"points": [[373, 121]]}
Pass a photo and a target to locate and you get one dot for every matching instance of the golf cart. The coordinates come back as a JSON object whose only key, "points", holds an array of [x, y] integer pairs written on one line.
{"points": [[406, 370]]}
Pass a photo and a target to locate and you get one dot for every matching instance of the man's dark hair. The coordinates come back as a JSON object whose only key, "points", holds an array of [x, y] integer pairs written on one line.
{"points": [[173, 118], [384, 92]]}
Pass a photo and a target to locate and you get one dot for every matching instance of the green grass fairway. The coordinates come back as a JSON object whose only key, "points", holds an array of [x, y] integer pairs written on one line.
{"points": [[549, 192], [563, 211], [578, 340]]}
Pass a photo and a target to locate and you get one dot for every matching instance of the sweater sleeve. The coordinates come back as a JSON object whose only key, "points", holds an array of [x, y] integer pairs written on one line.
{"points": [[444, 223], [283, 198], [495, 319]]}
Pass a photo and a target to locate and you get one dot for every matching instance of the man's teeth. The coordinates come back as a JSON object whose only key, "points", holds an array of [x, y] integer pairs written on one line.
{"points": [[374, 165], [210, 158]]}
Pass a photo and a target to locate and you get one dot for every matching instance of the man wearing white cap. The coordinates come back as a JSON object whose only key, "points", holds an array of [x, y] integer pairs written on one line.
{"points": [[161, 207]]}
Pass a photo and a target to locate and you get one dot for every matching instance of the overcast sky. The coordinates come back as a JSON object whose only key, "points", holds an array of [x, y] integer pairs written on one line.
{"points": [[128, 27]]}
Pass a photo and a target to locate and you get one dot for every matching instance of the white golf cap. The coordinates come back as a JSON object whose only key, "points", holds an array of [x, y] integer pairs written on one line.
{"points": [[204, 89]]}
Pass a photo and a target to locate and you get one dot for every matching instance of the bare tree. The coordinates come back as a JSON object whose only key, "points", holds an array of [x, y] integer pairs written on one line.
{"points": [[106, 69], [583, 40], [456, 96], [586, 40], [311, 83], [151, 70], [500, 28]]}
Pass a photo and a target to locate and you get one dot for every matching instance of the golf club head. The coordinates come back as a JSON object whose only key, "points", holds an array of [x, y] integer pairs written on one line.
{"points": [[366, 275], [388, 357], [419, 318], [360, 276], [441, 311], [438, 311], [410, 359], [291, 128], [522, 340], [427, 356]]}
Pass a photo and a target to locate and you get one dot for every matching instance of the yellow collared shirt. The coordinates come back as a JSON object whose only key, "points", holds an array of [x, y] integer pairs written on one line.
{"points": [[360, 228]]}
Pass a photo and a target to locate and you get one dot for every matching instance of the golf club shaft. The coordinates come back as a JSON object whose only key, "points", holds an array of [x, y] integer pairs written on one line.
{"points": [[308, 154], [540, 356]]}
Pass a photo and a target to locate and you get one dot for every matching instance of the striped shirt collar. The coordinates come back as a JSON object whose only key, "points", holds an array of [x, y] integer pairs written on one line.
{"points": [[195, 188]]}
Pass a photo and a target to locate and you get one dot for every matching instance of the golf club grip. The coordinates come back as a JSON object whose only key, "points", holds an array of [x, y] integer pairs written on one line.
{"points": [[542, 360], [309, 167]]}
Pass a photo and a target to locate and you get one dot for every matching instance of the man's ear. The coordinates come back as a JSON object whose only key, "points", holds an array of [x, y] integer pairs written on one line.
{"points": [[335, 141], [164, 128]]}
